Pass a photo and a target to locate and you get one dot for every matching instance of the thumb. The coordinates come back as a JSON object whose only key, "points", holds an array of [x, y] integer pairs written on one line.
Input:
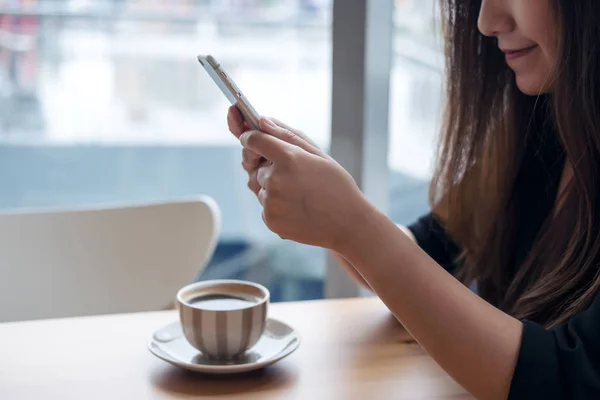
{"points": [[287, 135]]}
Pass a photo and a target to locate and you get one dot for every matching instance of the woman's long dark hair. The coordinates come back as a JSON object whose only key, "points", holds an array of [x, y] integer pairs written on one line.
{"points": [[481, 148]]}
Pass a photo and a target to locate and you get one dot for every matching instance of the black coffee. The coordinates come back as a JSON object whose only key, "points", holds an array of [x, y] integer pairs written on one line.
{"points": [[219, 302]]}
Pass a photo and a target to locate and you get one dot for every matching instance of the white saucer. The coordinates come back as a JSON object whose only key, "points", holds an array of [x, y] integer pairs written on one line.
{"points": [[278, 341]]}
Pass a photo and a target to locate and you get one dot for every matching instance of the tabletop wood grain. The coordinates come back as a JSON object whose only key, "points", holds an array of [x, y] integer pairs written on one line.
{"points": [[351, 349]]}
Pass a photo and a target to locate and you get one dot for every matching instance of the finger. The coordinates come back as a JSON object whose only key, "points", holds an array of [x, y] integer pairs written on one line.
{"points": [[267, 146], [253, 182], [287, 135], [284, 125], [262, 197], [235, 121], [262, 175], [250, 159], [252, 166], [294, 130]]}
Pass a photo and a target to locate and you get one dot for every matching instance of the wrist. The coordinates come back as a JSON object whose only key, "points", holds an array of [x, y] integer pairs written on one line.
{"points": [[361, 229]]}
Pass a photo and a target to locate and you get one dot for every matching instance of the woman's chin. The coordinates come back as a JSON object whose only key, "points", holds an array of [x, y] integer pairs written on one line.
{"points": [[533, 87]]}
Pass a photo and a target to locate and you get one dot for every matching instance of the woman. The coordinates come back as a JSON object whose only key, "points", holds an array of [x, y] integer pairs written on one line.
{"points": [[514, 200]]}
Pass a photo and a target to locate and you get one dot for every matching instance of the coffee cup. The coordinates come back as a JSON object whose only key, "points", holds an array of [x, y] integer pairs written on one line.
{"points": [[223, 318]]}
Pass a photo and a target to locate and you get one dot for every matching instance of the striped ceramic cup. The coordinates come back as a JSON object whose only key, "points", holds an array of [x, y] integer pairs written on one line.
{"points": [[223, 318]]}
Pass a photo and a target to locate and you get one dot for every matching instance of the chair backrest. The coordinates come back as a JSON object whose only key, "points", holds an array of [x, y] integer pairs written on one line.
{"points": [[102, 261]]}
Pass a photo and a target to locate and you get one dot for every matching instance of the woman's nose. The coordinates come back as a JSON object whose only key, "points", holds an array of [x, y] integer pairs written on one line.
{"points": [[495, 18]]}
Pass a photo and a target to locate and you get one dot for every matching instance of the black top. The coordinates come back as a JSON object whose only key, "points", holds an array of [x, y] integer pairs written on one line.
{"points": [[561, 363]]}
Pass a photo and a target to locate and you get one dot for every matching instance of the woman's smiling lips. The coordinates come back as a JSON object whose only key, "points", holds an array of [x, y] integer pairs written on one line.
{"points": [[511, 54]]}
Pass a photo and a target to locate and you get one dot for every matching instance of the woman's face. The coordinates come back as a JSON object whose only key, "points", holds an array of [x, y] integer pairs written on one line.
{"points": [[526, 33]]}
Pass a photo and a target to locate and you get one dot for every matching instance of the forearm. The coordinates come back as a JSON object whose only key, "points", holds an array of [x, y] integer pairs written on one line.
{"points": [[350, 270], [353, 273], [474, 342]]}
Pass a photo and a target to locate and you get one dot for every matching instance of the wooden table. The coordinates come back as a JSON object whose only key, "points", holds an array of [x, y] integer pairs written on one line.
{"points": [[351, 349]]}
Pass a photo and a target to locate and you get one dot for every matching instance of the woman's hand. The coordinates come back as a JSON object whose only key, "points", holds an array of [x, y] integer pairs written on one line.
{"points": [[250, 160], [306, 196]]}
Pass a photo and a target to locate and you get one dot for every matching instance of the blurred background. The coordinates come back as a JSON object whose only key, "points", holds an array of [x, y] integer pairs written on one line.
{"points": [[103, 102]]}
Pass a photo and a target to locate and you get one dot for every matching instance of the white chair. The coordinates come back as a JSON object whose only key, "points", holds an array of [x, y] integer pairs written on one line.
{"points": [[102, 261]]}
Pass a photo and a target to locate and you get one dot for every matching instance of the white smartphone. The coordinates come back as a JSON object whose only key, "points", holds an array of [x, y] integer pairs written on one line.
{"points": [[230, 90]]}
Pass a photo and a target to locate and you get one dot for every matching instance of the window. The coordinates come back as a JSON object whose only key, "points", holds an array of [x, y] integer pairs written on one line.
{"points": [[103, 102], [415, 107]]}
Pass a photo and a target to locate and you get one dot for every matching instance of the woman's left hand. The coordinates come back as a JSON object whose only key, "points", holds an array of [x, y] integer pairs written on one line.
{"points": [[306, 196]]}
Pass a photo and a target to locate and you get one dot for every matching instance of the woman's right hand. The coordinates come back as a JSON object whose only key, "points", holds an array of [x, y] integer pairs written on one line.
{"points": [[250, 160]]}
